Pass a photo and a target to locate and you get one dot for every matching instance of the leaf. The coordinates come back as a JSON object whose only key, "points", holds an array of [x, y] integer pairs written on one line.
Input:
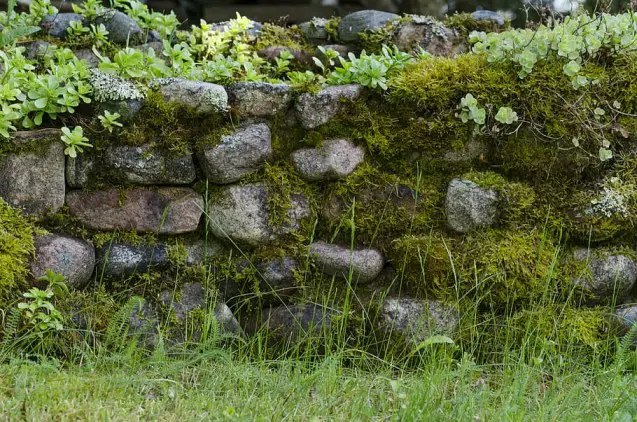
{"points": [[430, 341], [10, 35], [605, 154]]}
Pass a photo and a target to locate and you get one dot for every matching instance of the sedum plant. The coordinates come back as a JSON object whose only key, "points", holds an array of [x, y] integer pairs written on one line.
{"points": [[75, 141]]}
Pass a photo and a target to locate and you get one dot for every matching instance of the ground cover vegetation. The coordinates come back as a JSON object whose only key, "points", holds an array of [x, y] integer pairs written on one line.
{"points": [[543, 119]]}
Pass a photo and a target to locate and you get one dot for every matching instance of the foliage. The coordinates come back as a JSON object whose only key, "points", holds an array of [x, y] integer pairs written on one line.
{"points": [[109, 121], [38, 312]]}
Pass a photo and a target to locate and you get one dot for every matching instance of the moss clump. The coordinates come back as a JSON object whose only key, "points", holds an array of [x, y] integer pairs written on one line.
{"points": [[576, 335], [507, 267], [378, 207], [465, 24], [17, 247], [169, 126], [426, 262], [278, 36]]}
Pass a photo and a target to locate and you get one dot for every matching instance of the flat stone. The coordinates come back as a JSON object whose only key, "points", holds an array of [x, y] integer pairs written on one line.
{"points": [[71, 257], [36, 50], [362, 21], [418, 320], [202, 97], [239, 154], [241, 214], [469, 206], [122, 260], [609, 274], [335, 159], [314, 30], [259, 99], [34, 181], [364, 264], [122, 29], [314, 110], [56, 25], [146, 165], [488, 15], [162, 211]]}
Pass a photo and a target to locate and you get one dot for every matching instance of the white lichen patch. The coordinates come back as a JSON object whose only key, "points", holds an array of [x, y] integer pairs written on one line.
{"points": [[107, 87]]}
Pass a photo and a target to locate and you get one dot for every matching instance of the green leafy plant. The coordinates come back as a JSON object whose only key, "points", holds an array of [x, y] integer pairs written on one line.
{"points": [[38, 312], [109, 120], [75, 141], [470, 111], [506, 115]]}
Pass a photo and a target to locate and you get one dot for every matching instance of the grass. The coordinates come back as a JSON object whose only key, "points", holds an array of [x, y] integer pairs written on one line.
{"points": [[226, 389]]}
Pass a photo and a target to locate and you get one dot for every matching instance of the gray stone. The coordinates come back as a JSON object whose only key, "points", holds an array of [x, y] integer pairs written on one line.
{"points": [[127, 109], [121, 260], [161, 211], [608, 274], [314, 30], [38, 49], [156, 46], [34, 181], [239, 154], [364, 264], [259, 99], [253, 31], [472, 150], [418, 320], [297, 321], [122, 29], [625, 318], [71, 257], [314, 110], [146, 165], [199, 251], [193, 297], [202, 97], [241, 214], [56, 25], [364, 20], [79, 169], [275, 277], [334, 160], [432, 36], [469, 206], [488, 15], [88, 56]]}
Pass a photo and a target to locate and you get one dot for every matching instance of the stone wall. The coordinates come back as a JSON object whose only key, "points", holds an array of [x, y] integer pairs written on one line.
{"points": [[277, 206]]}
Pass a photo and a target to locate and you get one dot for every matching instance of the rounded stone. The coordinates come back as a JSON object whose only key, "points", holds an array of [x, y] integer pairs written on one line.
{"points": [[362, 21], [314, 110], [609, 275], [468, 206], [364, 265], [239, 154], [122, 29], [56, 25], [71, 257], [121, 260], [201, 97]]}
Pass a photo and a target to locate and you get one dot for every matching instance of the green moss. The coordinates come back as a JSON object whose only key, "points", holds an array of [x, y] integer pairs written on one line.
{"points": [[378, 207], [16, 238], [278, 36], [507, 267], [465, 24]]}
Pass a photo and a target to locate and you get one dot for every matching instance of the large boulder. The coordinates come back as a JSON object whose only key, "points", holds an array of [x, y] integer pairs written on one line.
{"points": [[468, 206], [607, 275], [122, 260], [56, 25], [162, 211], [353, 24], [314, 110], [259, 99], [145, 165], [201, 97], [335, 159], [71, 257], [241, 214], [364, 265], [122, 29], [34, 181], [417, 320], [239, 154]]}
